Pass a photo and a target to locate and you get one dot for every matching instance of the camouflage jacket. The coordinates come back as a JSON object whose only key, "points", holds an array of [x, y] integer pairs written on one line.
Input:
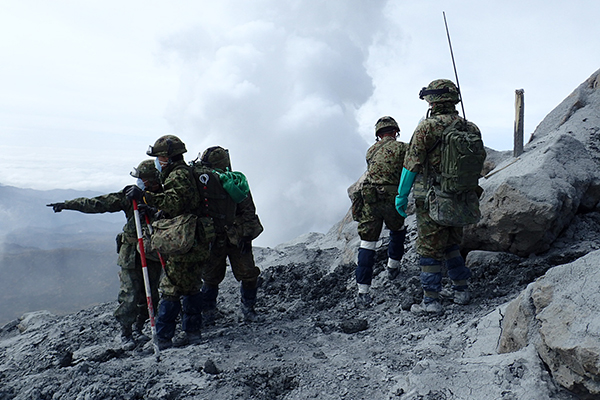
{"points": [[179, 196], [112, 202], [384, 162], [246, 225], [423, 155]]}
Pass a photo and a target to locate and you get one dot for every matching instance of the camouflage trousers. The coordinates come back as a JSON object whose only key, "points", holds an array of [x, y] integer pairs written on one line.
{"points": [[373, 215], [433, 239], [242, 265], [132, 293], [181, 278]]}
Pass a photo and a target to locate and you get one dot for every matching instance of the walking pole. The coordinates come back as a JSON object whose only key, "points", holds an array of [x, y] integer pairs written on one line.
{"points": [[138, 227]]}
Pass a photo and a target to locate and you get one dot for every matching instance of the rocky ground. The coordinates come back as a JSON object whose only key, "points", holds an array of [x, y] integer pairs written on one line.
{"points": [[311, 342]]}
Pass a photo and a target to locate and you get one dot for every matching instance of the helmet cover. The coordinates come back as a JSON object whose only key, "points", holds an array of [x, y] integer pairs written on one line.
{"points": [[216, 157], [439, 91], [386, 124], [167, 146]]}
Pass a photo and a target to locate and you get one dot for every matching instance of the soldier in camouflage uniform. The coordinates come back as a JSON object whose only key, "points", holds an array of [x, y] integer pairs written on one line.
{"points": [[180, 287], [435, 243], [236, 225], [384, 163], [132, 309]]}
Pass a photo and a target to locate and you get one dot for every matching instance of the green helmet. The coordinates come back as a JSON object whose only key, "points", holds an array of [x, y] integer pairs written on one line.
{"points": [[440, 90], [216, 157], [146, 170], [167, 146], [386, 124]]}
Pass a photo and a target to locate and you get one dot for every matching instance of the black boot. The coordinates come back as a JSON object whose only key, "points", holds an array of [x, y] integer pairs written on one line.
{"points": [[248, 302], [191, 321], [138, 330], [127, 342], [209, 305]]}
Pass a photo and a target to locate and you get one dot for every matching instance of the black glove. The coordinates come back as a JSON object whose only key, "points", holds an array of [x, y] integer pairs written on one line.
{"points": [[133, 192], [245, 245], [57, 207], [145, 209]]}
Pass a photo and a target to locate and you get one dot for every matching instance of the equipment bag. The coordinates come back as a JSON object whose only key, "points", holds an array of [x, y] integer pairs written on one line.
{"points": [[453, 209], [174, 235], [463, 155]]}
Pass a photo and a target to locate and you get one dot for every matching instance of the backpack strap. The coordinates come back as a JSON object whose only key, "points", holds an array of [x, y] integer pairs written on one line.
{"points": [[436, 144]]}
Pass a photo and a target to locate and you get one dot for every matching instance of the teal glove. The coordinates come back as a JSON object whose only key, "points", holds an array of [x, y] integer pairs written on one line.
{"points": [[406, 181]]}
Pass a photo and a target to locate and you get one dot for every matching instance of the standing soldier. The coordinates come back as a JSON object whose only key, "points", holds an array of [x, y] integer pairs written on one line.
{"points": [[435, 243], [236, 225], [180, 287], [132, 309], [384, 163]]}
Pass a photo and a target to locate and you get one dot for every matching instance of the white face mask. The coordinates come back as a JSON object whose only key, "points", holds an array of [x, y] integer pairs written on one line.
{"points": [[140, 184], [157, 164]]}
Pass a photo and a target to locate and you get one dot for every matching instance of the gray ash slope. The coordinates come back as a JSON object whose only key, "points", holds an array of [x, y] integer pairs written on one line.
{"points": [[311, 342]]}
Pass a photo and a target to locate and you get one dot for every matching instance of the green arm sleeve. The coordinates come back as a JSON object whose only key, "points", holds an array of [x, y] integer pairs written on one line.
{"points": [[406, 181]]}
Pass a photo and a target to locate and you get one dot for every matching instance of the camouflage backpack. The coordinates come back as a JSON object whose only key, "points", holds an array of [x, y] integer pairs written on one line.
{"points": [[453, 200]]}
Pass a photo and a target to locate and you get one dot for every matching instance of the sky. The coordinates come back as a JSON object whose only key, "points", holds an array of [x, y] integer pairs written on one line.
{"points": [[291, 87]]}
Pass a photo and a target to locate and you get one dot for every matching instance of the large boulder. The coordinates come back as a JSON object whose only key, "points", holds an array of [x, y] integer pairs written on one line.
{"points": [[527, 202], [558, 314]]}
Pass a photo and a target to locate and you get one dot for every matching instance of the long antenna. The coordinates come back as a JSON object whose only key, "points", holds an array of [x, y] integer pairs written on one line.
{"points": [[454, 65]]}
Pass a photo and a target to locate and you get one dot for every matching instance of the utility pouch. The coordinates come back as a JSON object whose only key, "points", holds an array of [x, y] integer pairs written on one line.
{"points": [[174, 235], [453, 209], [369, 194], [357, 204]]}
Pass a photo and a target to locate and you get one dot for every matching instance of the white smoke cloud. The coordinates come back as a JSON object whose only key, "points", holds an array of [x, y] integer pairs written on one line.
{"points": [[282, 94], [291, 87]]}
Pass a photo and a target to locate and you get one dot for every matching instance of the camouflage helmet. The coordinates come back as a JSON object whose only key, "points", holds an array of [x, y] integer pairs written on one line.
{"points": [[167, 146], [216, 157], [386, 124], [440, 90], [146, 170]]}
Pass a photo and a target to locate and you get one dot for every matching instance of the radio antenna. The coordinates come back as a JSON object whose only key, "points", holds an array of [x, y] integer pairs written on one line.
{"points": [[454, 66]]}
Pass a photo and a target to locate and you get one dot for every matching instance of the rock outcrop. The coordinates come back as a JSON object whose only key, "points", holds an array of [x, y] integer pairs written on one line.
{"points": [[529, 201], [558, 314]]}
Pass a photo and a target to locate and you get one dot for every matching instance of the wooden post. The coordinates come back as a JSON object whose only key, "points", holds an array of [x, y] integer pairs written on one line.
{"points": [[519, 121]]}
